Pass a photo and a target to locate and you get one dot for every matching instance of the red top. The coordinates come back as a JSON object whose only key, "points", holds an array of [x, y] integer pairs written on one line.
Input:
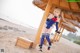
{"points": [[54, 19]]}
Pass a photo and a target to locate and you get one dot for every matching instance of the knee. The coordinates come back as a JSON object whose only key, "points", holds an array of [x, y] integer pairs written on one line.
{"points": [[43, 36], [47, 35]]}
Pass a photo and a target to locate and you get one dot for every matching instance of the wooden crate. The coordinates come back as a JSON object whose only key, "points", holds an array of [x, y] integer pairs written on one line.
{"points": [[24, 43]]}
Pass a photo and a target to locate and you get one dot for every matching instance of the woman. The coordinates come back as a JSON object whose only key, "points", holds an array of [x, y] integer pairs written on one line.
{"points": [[52, 19]]}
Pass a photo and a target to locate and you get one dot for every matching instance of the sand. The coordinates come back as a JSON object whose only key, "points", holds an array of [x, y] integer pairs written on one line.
{"points": [[8, 40]]}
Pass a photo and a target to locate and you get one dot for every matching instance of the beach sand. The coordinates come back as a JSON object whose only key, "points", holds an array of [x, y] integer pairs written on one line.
{"points": [[9, 34]]}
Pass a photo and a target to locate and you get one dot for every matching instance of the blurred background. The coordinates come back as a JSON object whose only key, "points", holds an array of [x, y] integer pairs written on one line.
{"points": [[23, 12]]}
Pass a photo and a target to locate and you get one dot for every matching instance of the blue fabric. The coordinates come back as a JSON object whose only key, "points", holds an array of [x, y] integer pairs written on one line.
{"points": [[48, 39], [49, 23], [42, 40], [46, 35], [56, 26]]}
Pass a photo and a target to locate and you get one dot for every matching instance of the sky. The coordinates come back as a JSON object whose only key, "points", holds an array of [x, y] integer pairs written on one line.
{"points": [[22, 12]]}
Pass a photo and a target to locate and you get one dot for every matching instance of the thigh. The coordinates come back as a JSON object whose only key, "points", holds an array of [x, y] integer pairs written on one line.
{"points": [[49, 30]]}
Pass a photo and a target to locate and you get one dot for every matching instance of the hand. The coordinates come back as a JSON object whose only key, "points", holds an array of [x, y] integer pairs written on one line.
{"points": [[57, 32], [48, 19]]}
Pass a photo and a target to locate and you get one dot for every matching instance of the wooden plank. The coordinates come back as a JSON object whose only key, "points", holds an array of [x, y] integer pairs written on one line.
{"points": [[74, 6], [44, 1], [67, 16], [42, 4], [54, 38], [78, 4], [74, 17], [43, 8], [47, 10], [68, 27], [78, 19], [56, 2], [64, 4]]}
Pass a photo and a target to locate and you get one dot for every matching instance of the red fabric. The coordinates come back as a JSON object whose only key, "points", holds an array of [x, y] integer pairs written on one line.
{"points": [[54, 19]]}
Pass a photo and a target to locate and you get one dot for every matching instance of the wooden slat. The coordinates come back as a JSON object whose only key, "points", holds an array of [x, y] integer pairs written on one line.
{"points": [[67, 16], [76, 24], [74, 18], [78, 4], [54, 38], [43, 6], [64, 4], [57, 38], [56, 2], [68, 28], [60, 34], [74, 6], [39, 4], [78, 19], [45, 1], [43, 22]]}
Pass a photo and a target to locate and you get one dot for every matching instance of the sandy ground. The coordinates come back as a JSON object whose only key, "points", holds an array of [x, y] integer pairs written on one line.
{"points": [[8, 39]]}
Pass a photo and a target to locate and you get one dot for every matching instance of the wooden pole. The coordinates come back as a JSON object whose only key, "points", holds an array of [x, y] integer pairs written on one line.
{"points": [[61, 34], [57, 36], [47, 10]]}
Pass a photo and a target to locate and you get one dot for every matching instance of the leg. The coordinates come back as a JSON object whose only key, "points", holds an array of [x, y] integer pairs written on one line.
{"points": [[48, 38], [45, 30], [42, 41]]}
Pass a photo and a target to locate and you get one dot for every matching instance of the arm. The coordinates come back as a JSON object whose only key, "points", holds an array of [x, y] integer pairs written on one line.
{"points": [[57, 27], [49, 17]]}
